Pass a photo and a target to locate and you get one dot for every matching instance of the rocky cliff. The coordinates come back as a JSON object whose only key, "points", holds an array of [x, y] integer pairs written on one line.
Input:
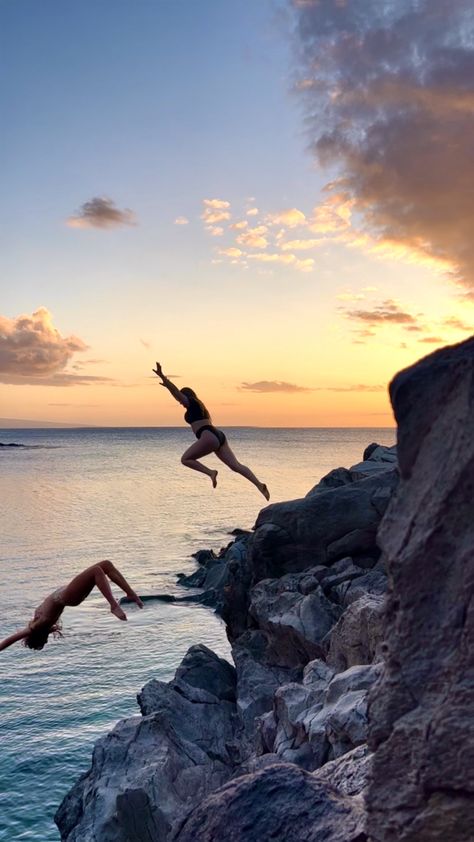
{"points": [[278, 745]]}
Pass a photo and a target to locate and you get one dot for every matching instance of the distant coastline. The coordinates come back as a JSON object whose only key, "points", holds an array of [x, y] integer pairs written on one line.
{"points": [[30, 424]]}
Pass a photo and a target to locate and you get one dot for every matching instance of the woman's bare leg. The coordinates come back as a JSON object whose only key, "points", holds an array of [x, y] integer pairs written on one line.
{"points": [[229, 458], [80, 587], [205, 445], [115, 575]]}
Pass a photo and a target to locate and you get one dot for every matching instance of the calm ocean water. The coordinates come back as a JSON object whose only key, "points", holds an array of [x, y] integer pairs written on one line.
{"points": [[77, 496]]}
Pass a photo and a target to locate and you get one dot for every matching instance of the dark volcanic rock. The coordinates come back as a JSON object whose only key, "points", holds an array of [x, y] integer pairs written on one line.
{"points": [[289, 537], [152, 769], [280, 803], [421, 715]]}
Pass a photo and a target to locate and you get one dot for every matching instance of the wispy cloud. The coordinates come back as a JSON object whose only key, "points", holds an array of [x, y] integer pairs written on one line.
{"points": [[265, 386], [305, 265], [273, 386], [388, 312], [457, 324], [101, 212], [389, 90], [181, 220]]}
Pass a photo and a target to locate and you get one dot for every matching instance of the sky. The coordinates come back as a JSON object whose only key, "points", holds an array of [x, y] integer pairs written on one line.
{"points": [[274, 199]]}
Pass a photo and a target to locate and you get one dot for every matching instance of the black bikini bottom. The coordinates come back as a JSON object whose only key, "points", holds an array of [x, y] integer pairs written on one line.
{"points": [[220, 436]]}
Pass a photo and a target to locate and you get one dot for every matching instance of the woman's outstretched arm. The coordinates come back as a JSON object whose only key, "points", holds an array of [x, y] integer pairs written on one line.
{"points": [[178, 396], [19, 635]]}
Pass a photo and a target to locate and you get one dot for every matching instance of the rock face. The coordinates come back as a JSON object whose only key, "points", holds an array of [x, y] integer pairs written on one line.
{"points": [[151, 769], [421, 716], [302, 598], [281, 802]]}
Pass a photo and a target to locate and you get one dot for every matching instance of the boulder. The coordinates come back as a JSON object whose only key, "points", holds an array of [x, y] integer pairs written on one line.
{"points": [[290, 537], [294, 623], [350, 773], [321, 719], [421, 722], [152, 769], [280, 802], [358, 635]]}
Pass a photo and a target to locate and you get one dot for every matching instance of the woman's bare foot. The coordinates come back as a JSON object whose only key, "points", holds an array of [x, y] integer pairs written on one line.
{"points": [[213, 476], [135, 598], [118, 612], [264, 490]]}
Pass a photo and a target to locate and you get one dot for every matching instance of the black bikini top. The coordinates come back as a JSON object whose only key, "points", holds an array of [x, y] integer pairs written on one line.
{"points": [[196, 411]]}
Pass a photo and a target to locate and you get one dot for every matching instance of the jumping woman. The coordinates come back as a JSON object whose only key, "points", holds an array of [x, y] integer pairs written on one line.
{"points": [[209, 438], [46, 616]]}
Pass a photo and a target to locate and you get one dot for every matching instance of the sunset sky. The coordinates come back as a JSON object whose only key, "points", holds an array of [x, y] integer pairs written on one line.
{"points": [[274, 199]]}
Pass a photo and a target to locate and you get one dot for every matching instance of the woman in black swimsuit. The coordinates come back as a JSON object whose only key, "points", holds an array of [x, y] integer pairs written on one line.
{"points": [[209, 438]]}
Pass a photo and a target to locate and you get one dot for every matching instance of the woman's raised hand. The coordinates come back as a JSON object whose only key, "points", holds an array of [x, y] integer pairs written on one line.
{"points": [[158, 370]]}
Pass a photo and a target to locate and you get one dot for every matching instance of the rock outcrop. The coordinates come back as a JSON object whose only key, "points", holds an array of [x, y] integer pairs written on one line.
{"points": [[305, 628], [421, 715]]}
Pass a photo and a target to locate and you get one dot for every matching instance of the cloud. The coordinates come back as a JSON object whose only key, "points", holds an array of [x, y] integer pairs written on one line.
{"points": [[32, 351], [265, 386], [332, 215], [254, 237], [181, 220], [388, 312], [286, 259], [457, 324], [77, 405], [359, 387], [290, 218], [389, 93], [215, 230], [238, 226], [215, 210], [300, 245], [231, 252], [252, 212], [101, 212], [432, 339]]}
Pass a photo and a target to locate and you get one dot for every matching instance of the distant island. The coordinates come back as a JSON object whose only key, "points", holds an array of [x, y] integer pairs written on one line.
{"points": [[25, 423]]}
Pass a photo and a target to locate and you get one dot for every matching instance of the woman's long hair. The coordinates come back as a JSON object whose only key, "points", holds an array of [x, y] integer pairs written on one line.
{"points": [[38, 637], [190, 393]]}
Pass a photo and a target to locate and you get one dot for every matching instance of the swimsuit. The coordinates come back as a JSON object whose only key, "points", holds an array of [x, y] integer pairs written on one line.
{"points": [[196, 411], [220, 436]]}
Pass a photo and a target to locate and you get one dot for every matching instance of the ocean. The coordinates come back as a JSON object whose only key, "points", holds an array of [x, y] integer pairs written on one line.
{"points": [[74, 496]]}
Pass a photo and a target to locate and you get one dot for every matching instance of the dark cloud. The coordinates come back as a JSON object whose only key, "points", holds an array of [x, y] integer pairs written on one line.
{"points": [[33, 352], [389, 88], [273, 386], [101, 212]]}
